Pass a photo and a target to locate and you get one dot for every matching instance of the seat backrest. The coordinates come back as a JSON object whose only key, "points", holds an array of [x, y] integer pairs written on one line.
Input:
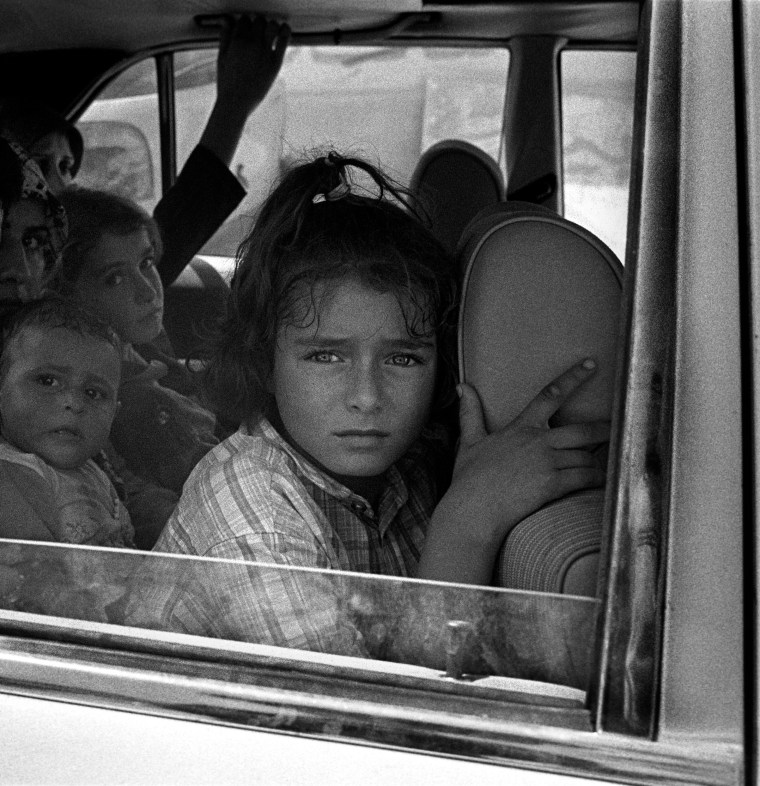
{"points": [[453, 181], [539, 294]]}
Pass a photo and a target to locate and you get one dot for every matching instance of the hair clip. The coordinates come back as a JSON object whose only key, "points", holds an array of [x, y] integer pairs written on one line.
{"points": [[334, 194], [338, 192]]}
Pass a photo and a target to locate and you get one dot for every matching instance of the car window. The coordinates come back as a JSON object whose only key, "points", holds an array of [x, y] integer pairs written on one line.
{"points": [[408, 100], [597, 125], [475, 635], [121, 137]]}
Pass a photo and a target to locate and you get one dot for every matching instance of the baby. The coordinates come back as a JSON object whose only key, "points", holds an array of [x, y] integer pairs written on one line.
{"points": [[60, 369]]}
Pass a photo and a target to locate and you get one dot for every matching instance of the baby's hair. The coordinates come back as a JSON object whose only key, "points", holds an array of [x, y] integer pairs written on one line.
{"points": [[52, 313], [91, 215], [320, 226]]}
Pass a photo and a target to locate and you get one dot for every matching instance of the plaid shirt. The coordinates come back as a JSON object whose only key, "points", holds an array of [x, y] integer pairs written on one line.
{"points": [[254, 498]]}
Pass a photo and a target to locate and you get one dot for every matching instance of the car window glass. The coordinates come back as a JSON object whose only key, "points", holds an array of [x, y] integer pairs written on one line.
{"points": [[410, 98], [597, 124], [121, 137], [385, 104], [468, 633]]}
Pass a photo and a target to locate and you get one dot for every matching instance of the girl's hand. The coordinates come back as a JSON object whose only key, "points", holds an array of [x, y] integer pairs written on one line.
{"points": [[501, 478]]}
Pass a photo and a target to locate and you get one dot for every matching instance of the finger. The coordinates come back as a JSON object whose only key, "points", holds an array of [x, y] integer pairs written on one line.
{"points": [[551, 398], [568, 459], [281, 40], [226, 35], [578, 435], [256, 28], [471, 426]]}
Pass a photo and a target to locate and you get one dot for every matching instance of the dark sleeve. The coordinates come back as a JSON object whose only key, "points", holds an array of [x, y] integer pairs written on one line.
{"points": [[204, 194]]}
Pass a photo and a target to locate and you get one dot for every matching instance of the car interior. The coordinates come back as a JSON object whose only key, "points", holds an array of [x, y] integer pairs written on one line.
{"points": [[493, 195]]}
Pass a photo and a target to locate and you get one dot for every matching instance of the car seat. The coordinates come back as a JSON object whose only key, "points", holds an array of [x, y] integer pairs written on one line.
{"points": [[453, 180], [193, 305], [539, 294]]}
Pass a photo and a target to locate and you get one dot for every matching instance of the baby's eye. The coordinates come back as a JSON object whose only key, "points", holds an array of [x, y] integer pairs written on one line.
{"points": [[323, 356], [148, 263], [405, 360], [113, 279], [47, 380]]}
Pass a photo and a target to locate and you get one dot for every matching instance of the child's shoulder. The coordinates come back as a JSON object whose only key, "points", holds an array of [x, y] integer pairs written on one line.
{"points": [[249, 452], [29, 461]]}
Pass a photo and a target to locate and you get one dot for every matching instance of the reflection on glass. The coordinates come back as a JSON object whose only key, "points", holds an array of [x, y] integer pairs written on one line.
{"points": [[460, 630]]}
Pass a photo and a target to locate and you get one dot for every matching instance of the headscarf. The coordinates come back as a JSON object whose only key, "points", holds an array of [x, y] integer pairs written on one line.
{"points": [[21, 178]]}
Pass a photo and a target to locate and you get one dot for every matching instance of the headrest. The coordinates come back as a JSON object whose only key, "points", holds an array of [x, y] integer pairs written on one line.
{"points": [[539, 294], [454, 180]]}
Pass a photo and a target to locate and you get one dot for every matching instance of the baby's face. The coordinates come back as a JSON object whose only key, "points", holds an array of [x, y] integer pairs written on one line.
{"points": [[120, 283], [58, 394]]}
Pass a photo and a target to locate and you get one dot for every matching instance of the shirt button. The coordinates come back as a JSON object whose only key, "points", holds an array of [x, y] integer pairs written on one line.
{"points": [[163, 417], [358, 507]]}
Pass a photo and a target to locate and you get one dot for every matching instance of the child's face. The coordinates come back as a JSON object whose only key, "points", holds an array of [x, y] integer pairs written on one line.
{"points": [[119, 282], [58, 394], [56, 160], [24, 250], [354, 389]]}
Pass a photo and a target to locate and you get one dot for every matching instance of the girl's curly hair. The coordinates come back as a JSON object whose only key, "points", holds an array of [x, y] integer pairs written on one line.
{"points": [[320, 224]]}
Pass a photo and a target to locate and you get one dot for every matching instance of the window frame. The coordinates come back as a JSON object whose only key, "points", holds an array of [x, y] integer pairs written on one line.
{"points": [[644, 746]]}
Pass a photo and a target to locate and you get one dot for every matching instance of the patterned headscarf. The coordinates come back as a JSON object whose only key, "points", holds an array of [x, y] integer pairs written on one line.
{"points": [[21, 178]]}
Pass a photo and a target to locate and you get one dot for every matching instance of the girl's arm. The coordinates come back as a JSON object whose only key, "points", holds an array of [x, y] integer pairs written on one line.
{"points": [[501, 478]]}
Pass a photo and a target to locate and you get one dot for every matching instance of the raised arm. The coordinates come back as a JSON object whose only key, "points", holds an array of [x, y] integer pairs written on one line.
{"points": [[250, 56], [206, 192], [502, 477]]}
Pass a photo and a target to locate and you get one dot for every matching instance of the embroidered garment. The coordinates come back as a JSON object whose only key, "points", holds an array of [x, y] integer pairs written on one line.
{"points": [[255, 498]]}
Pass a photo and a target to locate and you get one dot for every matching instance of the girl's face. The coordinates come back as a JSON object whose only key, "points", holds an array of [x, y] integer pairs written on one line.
{"points": [[353, 389], [119, 282], [58, 394], [24, 250], [56, 160]]}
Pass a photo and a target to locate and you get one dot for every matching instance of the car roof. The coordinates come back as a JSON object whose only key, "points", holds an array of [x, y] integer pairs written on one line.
{"points": [[134, 25], [59, 50]]}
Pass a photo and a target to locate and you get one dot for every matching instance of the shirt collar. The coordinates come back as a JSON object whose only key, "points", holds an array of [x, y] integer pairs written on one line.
{"points": [[393, 497]]}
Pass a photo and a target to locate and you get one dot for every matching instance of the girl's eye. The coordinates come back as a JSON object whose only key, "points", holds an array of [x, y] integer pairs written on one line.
{"points": [[47, 380], [324, 356], [405, 360], [148, 263], [96, 394], [113, 279]]}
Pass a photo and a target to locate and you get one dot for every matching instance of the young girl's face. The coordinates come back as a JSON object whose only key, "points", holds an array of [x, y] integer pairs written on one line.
{"points": [[58, 394], [119, 282], [353, 389]]}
